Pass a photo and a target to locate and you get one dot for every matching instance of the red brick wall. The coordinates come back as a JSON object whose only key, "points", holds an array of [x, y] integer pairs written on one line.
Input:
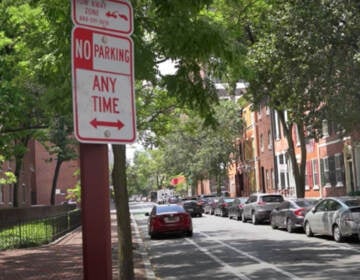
{"points": [[44, 173], [36, 178]]}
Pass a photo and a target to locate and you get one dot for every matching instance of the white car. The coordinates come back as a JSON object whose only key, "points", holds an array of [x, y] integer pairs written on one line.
{"points": [[338, 217]]}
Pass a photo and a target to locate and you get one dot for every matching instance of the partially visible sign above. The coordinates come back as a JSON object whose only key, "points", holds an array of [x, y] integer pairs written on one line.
{"points": [[109, 15]]}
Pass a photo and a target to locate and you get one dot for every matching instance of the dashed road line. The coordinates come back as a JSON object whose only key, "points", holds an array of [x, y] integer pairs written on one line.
{"points": [[234, 270]]}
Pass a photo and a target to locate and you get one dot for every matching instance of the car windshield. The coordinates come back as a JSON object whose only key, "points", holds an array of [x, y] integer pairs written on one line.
{"points": [[169, 208], [272, 198], [352, 202], [306, 203]]}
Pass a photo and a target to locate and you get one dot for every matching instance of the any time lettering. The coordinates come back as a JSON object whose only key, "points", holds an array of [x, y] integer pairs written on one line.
{"points": [[104, 104]]}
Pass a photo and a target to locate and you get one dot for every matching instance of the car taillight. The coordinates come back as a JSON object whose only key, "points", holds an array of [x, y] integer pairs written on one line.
{"points": [[261, 203], [240, 206], [224, 205], [185, 217], [299, 212]]}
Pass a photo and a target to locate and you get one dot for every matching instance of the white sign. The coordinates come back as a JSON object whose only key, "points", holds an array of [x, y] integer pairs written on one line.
{"points": [[103, 98], [109, 15]]}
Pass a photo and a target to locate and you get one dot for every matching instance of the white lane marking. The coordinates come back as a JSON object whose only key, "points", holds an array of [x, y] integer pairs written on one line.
{"points": [[288, 274], [225, 266]]}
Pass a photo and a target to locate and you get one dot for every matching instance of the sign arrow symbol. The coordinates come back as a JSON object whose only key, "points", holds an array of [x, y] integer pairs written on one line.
{"points": [[95, 123]]}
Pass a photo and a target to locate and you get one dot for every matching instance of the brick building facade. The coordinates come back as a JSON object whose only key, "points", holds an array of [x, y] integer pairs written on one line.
{"points": [[36, 177]]}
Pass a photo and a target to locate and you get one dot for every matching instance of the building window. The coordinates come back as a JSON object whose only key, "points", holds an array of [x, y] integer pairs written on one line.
{"points": [[10, 194], [23, 192], [282, 171], [267, 110], [297, 135], [308, 175], [277, 126], [315, 171], [269, 140], [259, 112], [325, 172], [282, 180], [281, 159], [339, 170], [328, 171], [325, 129], [261, 142]]}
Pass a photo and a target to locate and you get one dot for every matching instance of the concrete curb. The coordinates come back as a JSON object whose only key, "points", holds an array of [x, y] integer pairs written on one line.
{"points": [[149, 273]]}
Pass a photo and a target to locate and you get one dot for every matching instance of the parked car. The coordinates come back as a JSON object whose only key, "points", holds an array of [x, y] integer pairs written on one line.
{"points": [[290, 213], [193, 207], [259, 206], [169, 219], [236, 208], [222, 206], [210, 206], [202, 201], [338, 217]]}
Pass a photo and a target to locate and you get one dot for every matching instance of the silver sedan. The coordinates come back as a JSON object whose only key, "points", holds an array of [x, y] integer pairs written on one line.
{"points": [[338, 217]]}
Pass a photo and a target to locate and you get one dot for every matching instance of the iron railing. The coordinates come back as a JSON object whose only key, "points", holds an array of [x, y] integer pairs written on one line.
{"points": [[28, 233]]}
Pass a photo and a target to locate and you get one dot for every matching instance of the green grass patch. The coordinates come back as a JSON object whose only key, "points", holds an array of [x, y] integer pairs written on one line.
{"points": [[26, 235]]}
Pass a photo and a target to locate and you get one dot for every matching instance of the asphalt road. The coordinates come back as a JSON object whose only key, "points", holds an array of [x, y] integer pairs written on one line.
{"points": [[227, 249]]}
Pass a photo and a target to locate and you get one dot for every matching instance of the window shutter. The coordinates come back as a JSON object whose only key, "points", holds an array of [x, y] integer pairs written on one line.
{"points": [[322, 174]]}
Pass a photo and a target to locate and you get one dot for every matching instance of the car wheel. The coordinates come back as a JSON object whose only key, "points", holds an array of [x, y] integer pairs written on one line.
{"points": [[238, 217], [337, 234], [253, 219], [189, 233], [272, 223], [243, 218], [152, 235], [308, 231], [289, 227]]}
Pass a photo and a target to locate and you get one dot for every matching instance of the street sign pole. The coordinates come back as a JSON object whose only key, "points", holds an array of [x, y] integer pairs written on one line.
{"points": [[97, 259]]}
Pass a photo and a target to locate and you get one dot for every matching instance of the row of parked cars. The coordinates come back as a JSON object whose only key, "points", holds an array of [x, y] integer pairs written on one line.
{"points": [[338, 217]]}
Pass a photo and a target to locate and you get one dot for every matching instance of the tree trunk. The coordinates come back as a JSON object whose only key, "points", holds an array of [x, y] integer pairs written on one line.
{"points": [[54, 182], [298, 170], [125, 254]]}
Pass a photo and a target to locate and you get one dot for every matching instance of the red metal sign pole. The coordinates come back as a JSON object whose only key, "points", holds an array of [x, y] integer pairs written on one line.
{"points": [[97, 260]]}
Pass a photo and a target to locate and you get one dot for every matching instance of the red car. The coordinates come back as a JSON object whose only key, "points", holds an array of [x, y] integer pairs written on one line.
{"points": [[169, 219]]}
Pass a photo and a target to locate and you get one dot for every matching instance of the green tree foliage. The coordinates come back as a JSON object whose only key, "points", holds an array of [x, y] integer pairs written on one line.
{"points": [[202, 152], [20, 92], [7, 177], [147, 172]]}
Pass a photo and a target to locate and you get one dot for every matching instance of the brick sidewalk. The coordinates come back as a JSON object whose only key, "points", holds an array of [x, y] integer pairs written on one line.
{"points": [[62, 259]]}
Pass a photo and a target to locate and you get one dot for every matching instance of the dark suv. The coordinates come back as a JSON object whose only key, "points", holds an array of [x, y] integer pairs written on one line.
{"points": [[192, 206], [259, 206]]}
